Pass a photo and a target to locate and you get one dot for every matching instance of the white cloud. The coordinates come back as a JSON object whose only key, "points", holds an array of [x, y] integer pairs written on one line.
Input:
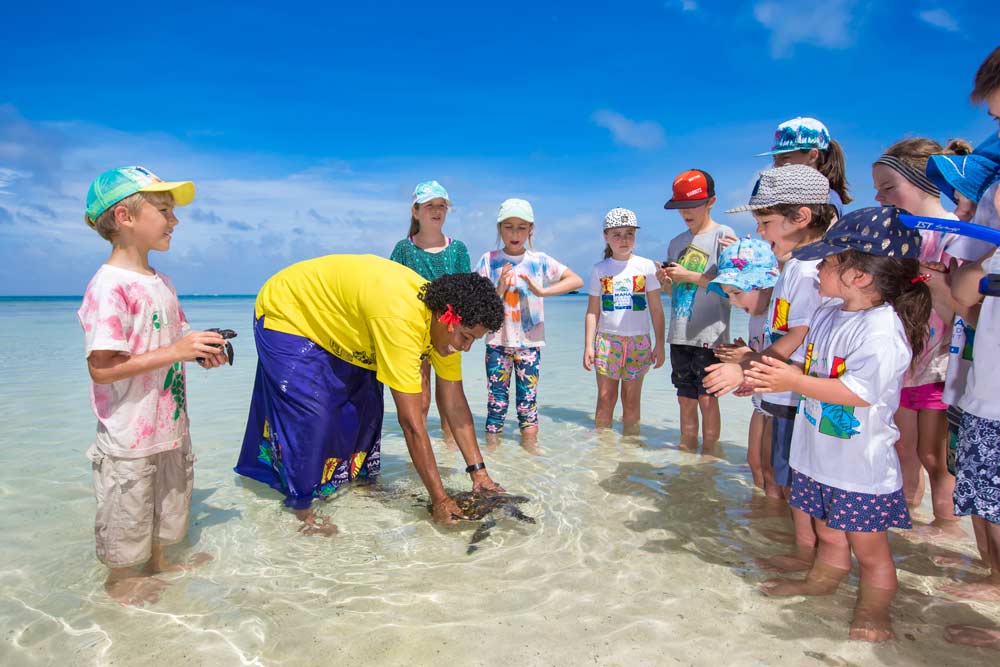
{"points": [[683, 5], [824, 23], [939, 18], [627, 132]]}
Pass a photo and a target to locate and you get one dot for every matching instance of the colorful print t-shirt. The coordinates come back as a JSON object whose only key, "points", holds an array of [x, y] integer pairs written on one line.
{"points": [[523, 324], [134, 313], [432, 265], [794, 300], [847, 447], [622, 288], [361, 308], [698, 317]]}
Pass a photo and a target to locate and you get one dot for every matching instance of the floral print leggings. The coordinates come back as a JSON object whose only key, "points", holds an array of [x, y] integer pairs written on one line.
{"points": [[501, 362]]}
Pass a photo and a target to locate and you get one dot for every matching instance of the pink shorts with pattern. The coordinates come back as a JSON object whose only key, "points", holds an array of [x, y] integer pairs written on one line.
{"points": [[623, 357]]}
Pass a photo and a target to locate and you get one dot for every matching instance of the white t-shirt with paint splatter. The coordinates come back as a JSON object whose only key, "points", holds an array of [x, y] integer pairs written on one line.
{"points": [[134, 313]]}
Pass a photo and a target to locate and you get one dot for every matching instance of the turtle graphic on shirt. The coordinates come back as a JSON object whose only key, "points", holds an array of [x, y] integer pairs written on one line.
{"points": [[837, 421]]}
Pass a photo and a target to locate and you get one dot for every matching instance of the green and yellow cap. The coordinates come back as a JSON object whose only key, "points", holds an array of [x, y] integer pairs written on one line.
{"points": [[115, 184]]}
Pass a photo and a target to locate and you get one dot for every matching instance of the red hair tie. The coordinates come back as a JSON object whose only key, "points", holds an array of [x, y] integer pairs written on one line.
{"points": [[450, 317], [922, 278]]}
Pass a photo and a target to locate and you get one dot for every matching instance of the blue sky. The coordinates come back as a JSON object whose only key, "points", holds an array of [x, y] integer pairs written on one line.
{"points": [[306, 127]]}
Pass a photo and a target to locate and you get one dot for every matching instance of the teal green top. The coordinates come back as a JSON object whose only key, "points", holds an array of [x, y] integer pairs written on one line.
{"points": [[432, 265]]}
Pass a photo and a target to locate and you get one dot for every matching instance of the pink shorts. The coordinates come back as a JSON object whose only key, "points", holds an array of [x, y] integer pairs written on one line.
{"points": [[623, 357], [923, 397]]}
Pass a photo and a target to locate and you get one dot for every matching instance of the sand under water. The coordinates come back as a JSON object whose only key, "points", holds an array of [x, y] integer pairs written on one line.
{"points": [[640, 555]]}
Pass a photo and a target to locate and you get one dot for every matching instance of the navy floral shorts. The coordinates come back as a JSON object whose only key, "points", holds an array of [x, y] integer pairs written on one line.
{"points": [[848, 510], [977, 468]]}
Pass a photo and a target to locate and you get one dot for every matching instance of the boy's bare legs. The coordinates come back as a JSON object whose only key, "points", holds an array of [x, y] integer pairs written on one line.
{"points": [[771, 488], [607, 397], [313, 524], [832, 563], [631, 406], [755, 448], [987, 589], [529, 439], [126, 586], [972, 635], [802, 558], [909, 462], [932, 451], [711, 423], [689, 423], [872, 620], [158, 561]]}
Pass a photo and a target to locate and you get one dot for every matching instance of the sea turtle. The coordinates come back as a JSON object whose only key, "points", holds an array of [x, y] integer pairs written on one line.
{"points": [[482, 507], [226, 335]]}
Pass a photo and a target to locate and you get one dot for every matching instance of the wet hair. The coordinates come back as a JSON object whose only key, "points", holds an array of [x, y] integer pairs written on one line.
{"points": [[823, 215], [107, 226], [893, 280], [916, 151], [987, 79], [471, 296]]}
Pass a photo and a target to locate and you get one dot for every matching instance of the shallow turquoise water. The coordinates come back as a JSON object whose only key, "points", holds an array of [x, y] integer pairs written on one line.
{"points": [[642, 554]]}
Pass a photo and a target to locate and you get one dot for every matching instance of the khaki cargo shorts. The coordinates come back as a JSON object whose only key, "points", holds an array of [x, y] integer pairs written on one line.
{"points": [[141, 502]]}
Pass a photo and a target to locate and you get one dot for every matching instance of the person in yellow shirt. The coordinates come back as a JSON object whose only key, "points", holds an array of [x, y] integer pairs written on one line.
{"points": [[330, 332]]}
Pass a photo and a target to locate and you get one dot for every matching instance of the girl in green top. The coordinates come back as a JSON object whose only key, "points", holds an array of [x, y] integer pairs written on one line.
{"points": [[430, 253]]}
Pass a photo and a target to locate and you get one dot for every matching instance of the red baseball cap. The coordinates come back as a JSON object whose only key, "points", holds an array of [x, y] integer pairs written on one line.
{"points": [[692, 188]]}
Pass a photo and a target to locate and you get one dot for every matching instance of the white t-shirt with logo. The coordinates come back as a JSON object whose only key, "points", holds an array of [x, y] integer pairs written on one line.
{"points": [[125, 311], [847, 447], [982, 393], [794, 300], [622, 287]]}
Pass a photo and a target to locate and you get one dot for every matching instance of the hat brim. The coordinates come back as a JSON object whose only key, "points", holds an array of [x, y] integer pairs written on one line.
{"points": [[748, 207], [817, 250], [181, 191], [688, 203], [779, 151], [747, 280]]}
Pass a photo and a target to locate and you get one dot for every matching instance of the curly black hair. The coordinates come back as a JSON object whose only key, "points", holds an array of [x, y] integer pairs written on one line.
{"points": [[472, 297]]}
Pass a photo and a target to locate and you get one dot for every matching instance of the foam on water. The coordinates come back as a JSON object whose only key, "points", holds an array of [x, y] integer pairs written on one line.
{"points": [[642, 554]]}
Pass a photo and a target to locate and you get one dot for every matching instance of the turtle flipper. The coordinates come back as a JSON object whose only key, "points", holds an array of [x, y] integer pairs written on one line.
{"points": [[519, 515], [482, 532]]}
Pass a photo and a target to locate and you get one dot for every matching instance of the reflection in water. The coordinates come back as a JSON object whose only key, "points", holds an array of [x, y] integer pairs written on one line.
{"points": [[641, 554]]}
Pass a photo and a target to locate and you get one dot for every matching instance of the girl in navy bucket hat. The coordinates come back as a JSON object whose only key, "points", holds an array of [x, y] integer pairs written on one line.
{"points": [[845, 471]]}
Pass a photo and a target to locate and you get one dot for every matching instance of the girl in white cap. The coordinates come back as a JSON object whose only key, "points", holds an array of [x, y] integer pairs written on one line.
{"points": [[624, 296], [430, 253], [523, 276]]}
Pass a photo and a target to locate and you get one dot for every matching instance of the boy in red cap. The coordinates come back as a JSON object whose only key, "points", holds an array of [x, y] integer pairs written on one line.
{"points": [[699, 319]]}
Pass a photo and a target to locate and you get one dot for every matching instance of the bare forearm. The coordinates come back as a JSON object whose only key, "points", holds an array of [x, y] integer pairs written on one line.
{"points": [[123, 366], [567, 283], [459, 417], [827, 390]]}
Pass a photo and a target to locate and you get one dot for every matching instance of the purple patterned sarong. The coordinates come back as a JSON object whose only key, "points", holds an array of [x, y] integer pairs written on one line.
{"points": [[315, 420]]}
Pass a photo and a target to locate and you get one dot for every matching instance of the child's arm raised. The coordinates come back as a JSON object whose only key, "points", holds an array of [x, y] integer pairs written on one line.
{"points": [[774, 376], [659, 326], [965, 281], [107, 366], [567, 282], [590, 331]]}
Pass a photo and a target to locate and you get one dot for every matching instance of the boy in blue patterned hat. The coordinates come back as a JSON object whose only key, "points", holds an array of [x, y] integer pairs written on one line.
{"points": [[748, 270]]}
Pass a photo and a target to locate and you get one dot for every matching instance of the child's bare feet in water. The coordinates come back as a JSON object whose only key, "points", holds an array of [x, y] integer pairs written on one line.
{"points": [[529, 441], [960, 562], [822, 579], [159, 563], [938, 529], [799, 561], [315, 525], [493, 441], [126, 587], [872, 621], [971, 635], [985, 590]]}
